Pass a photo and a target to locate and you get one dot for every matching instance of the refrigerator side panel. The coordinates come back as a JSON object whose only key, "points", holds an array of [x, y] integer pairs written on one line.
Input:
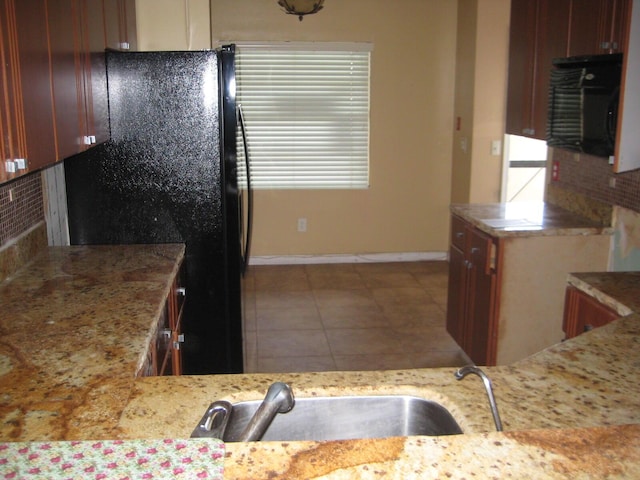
{"points": [[159, 180]]}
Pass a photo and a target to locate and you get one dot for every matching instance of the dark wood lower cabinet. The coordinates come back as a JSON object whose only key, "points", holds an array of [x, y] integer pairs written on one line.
{"points": [[471, 304], [583, 313], [506, 290], [164, 356]]}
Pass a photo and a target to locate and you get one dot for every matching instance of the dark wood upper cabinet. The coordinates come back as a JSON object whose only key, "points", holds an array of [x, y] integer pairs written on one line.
{"points": [[53, 85], [77, 43], [120, 22], [538, 34], [542, 30], [27, 119], [597, 26]]}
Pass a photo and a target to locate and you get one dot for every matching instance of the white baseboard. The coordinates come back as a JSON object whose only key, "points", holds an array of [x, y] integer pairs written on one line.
{"points": [[364, 258]]}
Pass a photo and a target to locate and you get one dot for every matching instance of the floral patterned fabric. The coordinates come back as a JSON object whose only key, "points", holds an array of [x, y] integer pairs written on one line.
{"points": [[113, 460]]}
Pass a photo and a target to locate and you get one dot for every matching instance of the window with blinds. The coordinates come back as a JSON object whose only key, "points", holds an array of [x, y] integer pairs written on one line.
{"points": [[306, 110]]}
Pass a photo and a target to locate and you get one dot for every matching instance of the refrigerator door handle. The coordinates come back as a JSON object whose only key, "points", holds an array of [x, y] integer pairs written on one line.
{"points": [[248, 231]]}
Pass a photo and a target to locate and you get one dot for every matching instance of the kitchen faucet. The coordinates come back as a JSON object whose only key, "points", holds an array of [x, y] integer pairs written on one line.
{"points": [[279, 399], [464, 371]]}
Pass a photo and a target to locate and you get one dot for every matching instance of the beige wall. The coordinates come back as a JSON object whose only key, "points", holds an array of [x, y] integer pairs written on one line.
{"points": [[481, 77], [412, 71], [173, 24]]}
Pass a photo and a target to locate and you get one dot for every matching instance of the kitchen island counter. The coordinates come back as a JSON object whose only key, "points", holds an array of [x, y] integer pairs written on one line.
{"points": [[571, 408], [76, 325], [525, 219], [570, 411]]}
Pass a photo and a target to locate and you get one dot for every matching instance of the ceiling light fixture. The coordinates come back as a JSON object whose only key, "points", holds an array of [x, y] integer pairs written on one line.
{"points": [[301, 7]]}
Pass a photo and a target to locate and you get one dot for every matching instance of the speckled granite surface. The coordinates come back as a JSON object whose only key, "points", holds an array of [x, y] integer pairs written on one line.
{"points": [[75, 326], [579, 204], [618, 290], [571, 411], [552, 406], [527, 219], [17, 253]]}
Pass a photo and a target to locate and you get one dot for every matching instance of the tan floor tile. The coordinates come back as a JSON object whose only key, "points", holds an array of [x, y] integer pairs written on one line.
{"points": [[281, 278], [373, 362], [425, 339], [406, 316], [294, 318], [344, 298], [353, 317], [335, 280], [296, 364], [401, 296], [390, 279], [283, 300], [434, 359], [358, 341], [330, 267], [294, 343]]}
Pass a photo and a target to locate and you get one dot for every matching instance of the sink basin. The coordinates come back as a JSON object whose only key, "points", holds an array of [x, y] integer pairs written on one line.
{"points": [[339, 418]]}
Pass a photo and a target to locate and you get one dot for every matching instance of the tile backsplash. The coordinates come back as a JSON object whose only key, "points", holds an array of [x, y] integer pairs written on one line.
{"points": [[593, 177], [23, 232], [21, 206]]}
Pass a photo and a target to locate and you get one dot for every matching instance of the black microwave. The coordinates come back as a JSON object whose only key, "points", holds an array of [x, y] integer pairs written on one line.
{"points": [[583, 103]]}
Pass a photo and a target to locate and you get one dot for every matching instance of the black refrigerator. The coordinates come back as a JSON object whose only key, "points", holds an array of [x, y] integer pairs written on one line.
{"points": [[169, 174]]}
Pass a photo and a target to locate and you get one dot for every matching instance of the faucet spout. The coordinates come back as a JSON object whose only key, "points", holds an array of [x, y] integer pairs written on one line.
{"points": [[464, 371], [279, 399]]}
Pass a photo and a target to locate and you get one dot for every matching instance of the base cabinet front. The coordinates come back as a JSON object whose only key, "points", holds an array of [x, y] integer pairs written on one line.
{"points": [[583, 313], [471, 310], [164, 356], [506, 293]]}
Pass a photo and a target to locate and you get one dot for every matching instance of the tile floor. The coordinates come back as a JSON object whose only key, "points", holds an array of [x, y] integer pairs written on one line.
{"points": [[367, 316]]}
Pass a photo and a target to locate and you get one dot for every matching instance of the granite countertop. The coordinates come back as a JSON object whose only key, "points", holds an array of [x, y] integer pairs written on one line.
{"points": [[571, 408], [618, 290], [570, 411], [76, 325], [527, 219]]}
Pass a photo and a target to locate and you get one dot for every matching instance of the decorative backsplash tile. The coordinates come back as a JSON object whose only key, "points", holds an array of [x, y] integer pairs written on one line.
{"points": [[23, 231], [593, 177], [21, 206]]}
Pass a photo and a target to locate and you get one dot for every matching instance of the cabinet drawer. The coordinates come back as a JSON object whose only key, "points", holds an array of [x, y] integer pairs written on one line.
{"points": [[458, 232]]}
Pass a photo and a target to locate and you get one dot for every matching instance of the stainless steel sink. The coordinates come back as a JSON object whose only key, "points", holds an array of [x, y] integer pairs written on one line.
{"points": [[334, 418]]}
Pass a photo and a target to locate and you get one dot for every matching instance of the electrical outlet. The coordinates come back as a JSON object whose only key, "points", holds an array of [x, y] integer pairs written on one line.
{"points": [[496, 148], [302, 224]]}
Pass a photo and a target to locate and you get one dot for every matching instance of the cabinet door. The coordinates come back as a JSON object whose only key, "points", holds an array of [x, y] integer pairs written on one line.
{"points": [[456, 295], [120, 21], [26, 24], [522, 51], [597, 26], [537, 35], [95, 71], [481, 330], [79, 74], [583, 313], [10, 117], [67, 81]]}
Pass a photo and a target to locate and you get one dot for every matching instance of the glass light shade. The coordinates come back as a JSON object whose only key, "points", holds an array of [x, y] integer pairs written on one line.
{"points": [[301, 7]]}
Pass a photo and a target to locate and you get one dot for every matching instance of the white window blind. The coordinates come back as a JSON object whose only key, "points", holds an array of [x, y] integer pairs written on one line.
{"points": [[306, 109]]}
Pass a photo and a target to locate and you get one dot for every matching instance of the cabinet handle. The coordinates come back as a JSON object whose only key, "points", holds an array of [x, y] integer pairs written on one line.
{"points": [[166, 333], [181, 291], [459, 234], [176, 344], [588, 328], [475, 250], [12, 166]]}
